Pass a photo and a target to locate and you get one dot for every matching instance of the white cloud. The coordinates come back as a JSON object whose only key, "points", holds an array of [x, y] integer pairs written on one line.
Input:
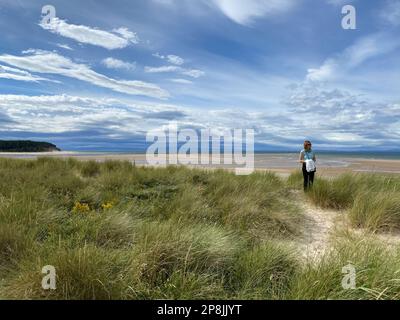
{"points": [[113, 63], [19, 75], [64, 46], [343, 136], [61, 113], [171, 58], [35, 51], [369, 47], [325, 72], [362, 50], [162, 69], [53, 63], [158, 55], [181, 81], [338, 118], [194, 73], [176, 66], [121, 37], [127, 34], [244, 12], [331, 104], [175, 60]]}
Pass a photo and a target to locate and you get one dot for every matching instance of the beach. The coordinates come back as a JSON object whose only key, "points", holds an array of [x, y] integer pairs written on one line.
{"points": [[282, 163]]}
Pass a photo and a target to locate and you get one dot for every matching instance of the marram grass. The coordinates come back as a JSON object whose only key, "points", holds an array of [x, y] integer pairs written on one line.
{"points": [[116, 231]]}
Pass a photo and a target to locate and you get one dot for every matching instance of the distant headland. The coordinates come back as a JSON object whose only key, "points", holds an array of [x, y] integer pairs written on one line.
{"points": [[26, 146]]}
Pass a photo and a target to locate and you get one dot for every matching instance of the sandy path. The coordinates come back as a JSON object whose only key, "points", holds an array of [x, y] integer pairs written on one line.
{"points": [[319, 227], [321, 224]]}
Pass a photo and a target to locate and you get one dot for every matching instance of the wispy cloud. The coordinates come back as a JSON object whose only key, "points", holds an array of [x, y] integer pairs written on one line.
{"points": [[175, 60], [362, 50], [53, 63], [64, 46], [194, 73], [118, 39], [181, 81], [113, 63], [239, 11], [171, 58], [162, 69], [244, 12], [19, 75]]}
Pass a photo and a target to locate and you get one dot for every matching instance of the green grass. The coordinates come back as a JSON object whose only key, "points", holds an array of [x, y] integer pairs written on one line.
{"points": [[166, 233], [377, 272], [116, 231], [371, 200]]}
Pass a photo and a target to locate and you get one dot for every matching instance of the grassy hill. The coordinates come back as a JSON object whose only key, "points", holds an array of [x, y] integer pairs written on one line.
{"points": [[116, 231], [26, 146]]}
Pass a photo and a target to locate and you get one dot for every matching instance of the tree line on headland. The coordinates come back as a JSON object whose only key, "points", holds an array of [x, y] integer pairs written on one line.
{"points": [[26, 146]]}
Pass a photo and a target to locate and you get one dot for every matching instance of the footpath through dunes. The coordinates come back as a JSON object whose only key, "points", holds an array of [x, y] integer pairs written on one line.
{"points": [[323, 225], [319, 227]]}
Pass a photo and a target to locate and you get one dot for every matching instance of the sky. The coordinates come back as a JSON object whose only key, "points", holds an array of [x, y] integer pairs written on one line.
{"points": [[100, 74]]}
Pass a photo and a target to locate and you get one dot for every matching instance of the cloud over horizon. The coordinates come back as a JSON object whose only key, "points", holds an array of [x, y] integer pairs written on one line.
{"points": [[330, 109]]}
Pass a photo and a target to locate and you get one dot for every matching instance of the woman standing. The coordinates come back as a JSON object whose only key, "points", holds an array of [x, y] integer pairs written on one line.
{"points": [[307, 158]]}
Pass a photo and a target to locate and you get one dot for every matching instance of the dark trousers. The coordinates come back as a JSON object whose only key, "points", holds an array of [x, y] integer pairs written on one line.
{"points": [[308, 178]]}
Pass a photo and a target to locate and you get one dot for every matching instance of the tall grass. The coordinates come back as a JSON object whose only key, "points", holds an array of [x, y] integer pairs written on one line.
{"points": [[116, 231], [376, 272], [379, 211], [337, 193], [371, 200]]}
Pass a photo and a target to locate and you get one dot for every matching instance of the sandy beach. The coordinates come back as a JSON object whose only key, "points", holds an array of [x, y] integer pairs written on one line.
{"points": [[283, 163]]}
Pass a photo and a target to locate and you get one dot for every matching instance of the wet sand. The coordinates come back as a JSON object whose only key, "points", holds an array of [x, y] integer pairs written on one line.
{"points": [[283, 163]]}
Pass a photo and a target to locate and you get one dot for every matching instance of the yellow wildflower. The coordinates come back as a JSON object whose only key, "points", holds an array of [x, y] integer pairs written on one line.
{"points": [[80, 207], [107, 205]]}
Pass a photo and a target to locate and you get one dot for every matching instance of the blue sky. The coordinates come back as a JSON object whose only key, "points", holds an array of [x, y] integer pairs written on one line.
{"points": [[103, 73]]}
